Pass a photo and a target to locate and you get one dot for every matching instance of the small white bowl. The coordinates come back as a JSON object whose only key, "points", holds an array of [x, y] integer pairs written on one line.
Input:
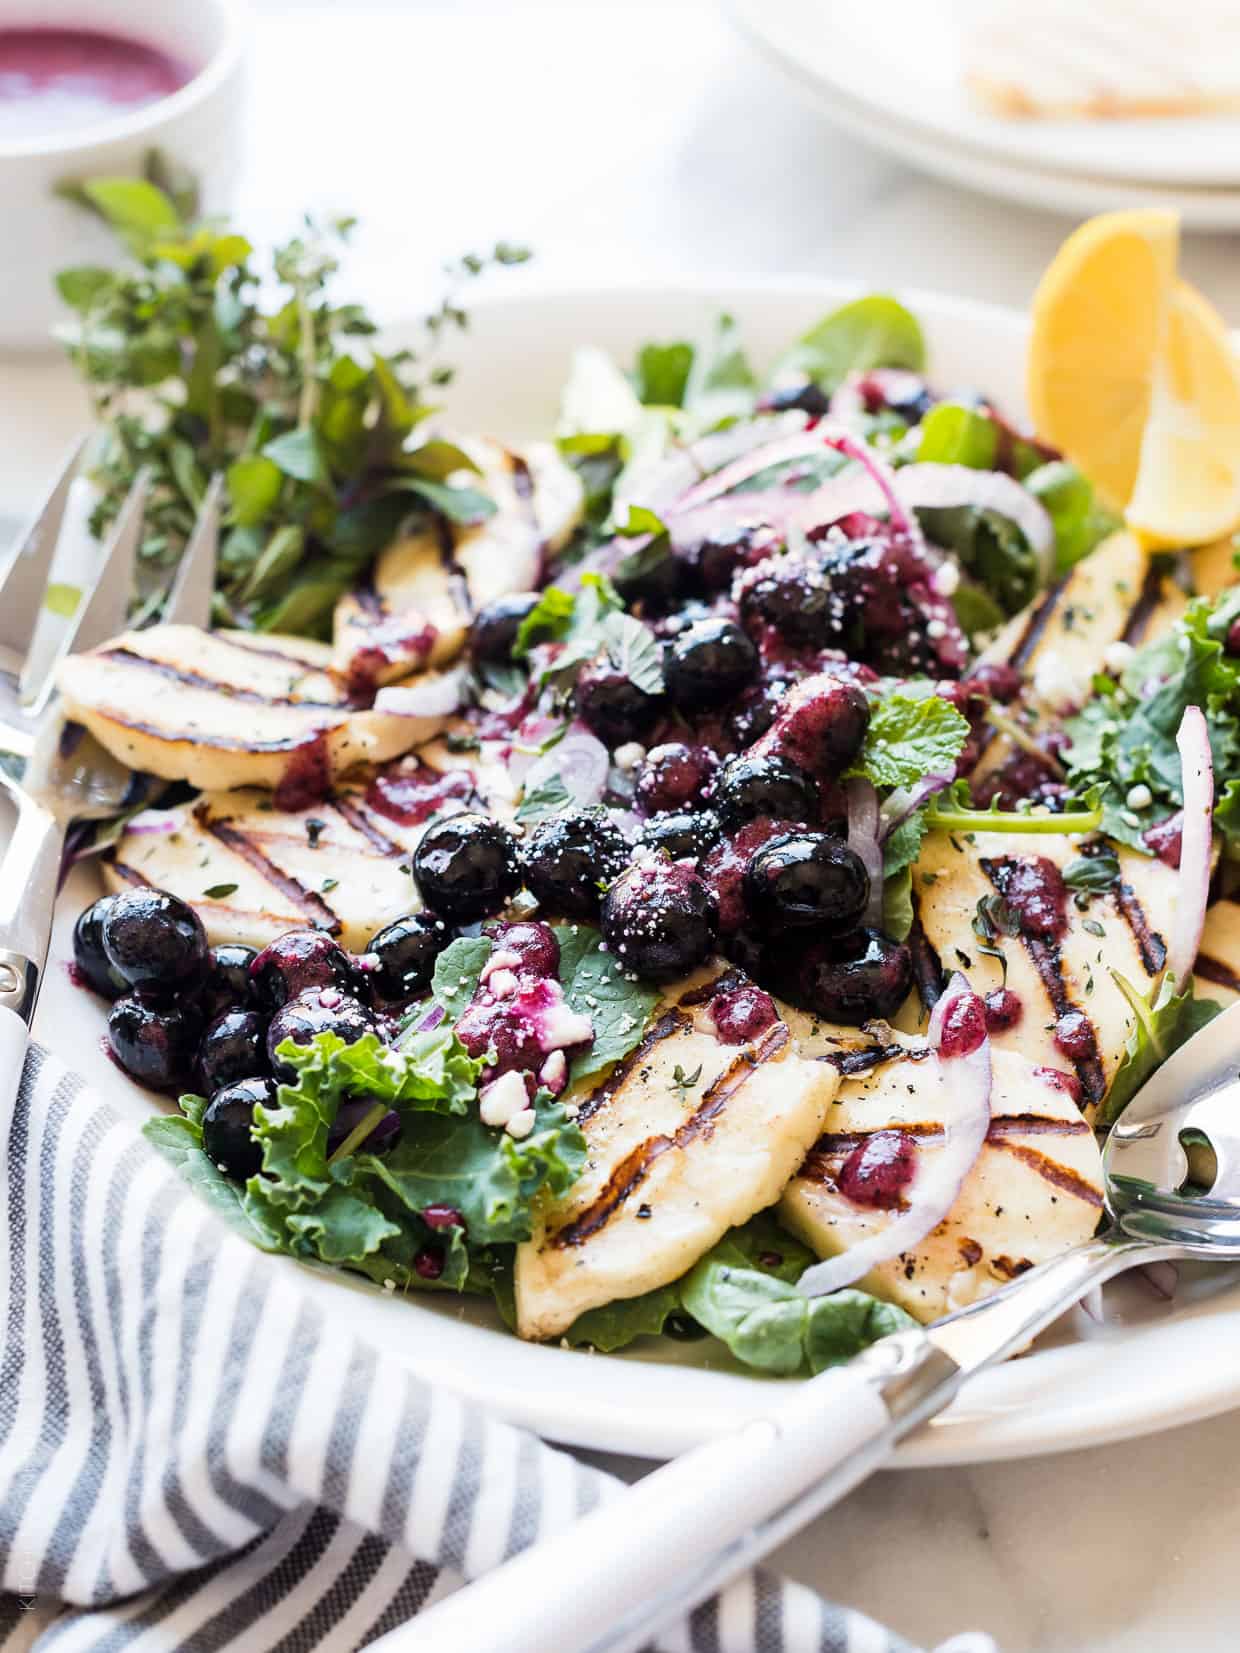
{"points": [[198, 126]]}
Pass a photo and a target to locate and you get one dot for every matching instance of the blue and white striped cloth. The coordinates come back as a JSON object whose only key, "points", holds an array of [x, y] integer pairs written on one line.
{"points": [[191, 1458]]}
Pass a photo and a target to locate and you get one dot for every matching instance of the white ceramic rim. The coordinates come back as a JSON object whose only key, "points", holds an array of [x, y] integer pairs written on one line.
{"points": [[1110, 1383], [219, 68], [1206, 207]]}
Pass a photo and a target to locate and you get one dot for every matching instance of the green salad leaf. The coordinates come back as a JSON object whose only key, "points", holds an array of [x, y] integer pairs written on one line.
{"points": [[991, 550], [1080, 519], [870, 332], [1164, 1021], [953, 810], [251, 367], [596, 986], [909, 737], [661, 376], [457, 970], [1125, 735], [765, 1321]]}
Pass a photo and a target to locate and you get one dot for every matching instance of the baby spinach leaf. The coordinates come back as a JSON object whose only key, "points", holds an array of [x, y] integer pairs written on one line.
{"points": [[1081, 521], [662, 373], [457, 969], [1163, 1022], [615, 1325], [870, 332], [595, 985]]}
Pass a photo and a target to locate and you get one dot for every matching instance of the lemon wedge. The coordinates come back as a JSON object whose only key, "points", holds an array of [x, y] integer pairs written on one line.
{"points": [[1132, 375]]}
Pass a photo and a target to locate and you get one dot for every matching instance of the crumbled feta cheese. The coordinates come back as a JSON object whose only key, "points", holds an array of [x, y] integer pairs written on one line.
{"points": [[521, 1124], [1139, 796], [629, 755], [503, 958], [1054, 685], [554, 1070], [1116, 656], [389, 1285], [502, 984], [503, 1099], [936, 629], [946, 579]]}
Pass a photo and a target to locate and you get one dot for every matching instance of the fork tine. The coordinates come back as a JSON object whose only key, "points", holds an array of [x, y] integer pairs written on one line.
{"points": [[103, 613], [25, 571], [189, 596]]}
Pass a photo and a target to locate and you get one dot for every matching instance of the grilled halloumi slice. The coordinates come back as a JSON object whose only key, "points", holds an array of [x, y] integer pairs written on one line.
{"points": [[229, 709], [1217, 970], [341, 864], [1034, 1191], [672, 1166], [426, 587], [1056, 983]]}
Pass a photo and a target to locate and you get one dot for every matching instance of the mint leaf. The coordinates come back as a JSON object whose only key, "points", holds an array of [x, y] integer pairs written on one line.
{"points": [[635, 651], [903, 845], [662, 373], [595, 985], [991, 550], [870, 332], [549, 797], [547, 621], [952, 434], [254, 485], [299, 454], [910, 737]]}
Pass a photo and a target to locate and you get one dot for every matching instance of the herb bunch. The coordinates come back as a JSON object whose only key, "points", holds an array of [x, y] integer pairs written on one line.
{"points": [[200, 357]]}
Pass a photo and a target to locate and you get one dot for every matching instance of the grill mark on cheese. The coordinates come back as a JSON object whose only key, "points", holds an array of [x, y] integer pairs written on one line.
{"points": [[635, 1166], [360, 821], [129, 874], [1150, 945], [1047, 960], [824, 1157], [1004, 1125], [1146, 605], [218, 743], [306, 901], [268, 653], [1050, 1170], [671, 1022], [850, 1063], [1037, 623], [928, 976], [1212, 969], [215, 685], [724, 982]]}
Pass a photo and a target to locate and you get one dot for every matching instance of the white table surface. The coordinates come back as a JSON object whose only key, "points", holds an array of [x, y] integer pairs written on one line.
{"points": [[642, 137]]}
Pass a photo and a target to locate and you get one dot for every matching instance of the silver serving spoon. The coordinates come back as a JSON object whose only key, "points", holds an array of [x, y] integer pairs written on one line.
{"points": [[641, 1562]]}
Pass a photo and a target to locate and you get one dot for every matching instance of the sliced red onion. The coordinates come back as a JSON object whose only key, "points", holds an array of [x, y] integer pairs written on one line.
{"points": [[156, 821], [803, 444], [963, 1105], [1193, 890], [884, 479], [907, 800], [660, 484], [863, 819], [580, 761], [948, 485], [437, 694]]}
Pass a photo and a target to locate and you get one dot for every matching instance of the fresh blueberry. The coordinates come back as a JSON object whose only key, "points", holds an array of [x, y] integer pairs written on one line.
{"points": [[685, 835], [297, 961], [569, 856], [155, 941], [155, 1043], [227, 1137], [751, 787], [709, 664], [807, 878], [233, 1047], [319, 1010], [466, 867], [659, 919], [406, 951], [612, 706], [495, 627], [93, 965]]}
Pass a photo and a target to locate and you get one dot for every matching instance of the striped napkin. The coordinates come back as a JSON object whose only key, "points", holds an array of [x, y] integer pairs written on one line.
{"points": [[192, 1457]]}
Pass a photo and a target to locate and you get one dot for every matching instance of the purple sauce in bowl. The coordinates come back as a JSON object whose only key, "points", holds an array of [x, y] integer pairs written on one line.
{"points": [[56, 80]]}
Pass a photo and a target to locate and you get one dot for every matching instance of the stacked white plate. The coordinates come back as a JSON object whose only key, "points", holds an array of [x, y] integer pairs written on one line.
{"points": [[891, 75]]}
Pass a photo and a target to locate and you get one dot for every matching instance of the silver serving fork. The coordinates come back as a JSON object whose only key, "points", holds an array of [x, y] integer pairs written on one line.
{"points": [[641, 1562], [52, 772]]}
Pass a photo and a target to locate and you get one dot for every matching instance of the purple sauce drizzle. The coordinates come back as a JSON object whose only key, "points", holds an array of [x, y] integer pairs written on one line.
{"points": [[412, 796], [878, 1170], [742, 1014], [964, 1026]]}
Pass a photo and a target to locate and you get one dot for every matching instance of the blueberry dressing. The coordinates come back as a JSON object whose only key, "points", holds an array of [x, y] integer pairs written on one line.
{"points": [[411, 793], [59, 79], [518, 1017], [964, 1026], [742, 1014], [877, 1171]]}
